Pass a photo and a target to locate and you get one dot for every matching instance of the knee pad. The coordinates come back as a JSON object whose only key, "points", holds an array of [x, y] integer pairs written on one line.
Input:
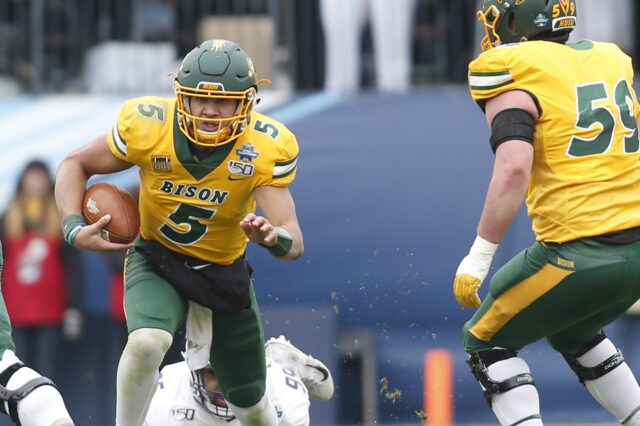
{"points": [[149, 344], [479, 363], [601, 356], [9, 399]]}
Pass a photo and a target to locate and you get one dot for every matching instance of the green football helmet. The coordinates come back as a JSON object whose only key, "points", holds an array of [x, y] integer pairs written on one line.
{"points": [[513, 21], [216, 69]]}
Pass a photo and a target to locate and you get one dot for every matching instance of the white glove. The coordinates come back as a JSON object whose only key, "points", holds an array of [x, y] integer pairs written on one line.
{"points": [[472, 271]]}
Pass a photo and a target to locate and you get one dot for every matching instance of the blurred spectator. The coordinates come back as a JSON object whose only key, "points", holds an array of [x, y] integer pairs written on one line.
{"points": [[41, 279], [391, 24], [116, 288], [153, 20]]}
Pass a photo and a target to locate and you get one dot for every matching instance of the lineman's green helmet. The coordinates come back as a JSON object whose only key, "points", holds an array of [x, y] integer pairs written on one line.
{"points": [[513, 21]]}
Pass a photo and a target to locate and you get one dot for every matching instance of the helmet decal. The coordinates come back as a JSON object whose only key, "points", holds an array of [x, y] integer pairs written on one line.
{"points": [[252, 69], [564, 4], [567, 19], [211, 85], [541, 20], [218, 45]]}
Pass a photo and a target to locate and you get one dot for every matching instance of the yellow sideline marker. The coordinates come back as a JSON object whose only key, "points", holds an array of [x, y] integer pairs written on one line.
{"points": [[438, 387]]}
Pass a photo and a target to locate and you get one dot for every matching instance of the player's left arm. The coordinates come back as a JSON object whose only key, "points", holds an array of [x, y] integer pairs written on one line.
{"points": [[508, 186], [511, 171], [278, 229]]}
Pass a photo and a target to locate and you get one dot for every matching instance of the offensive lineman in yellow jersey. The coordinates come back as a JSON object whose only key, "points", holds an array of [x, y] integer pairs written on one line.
{"points": [[572, 151], [564, 129], [206, 162]]}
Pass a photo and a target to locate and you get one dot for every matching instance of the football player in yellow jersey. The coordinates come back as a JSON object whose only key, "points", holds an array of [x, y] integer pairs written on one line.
{"points": [[206, 162], [563, 119]]}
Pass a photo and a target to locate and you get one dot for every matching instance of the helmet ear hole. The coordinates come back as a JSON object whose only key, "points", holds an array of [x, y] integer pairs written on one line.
{"points": [[512, 23]]}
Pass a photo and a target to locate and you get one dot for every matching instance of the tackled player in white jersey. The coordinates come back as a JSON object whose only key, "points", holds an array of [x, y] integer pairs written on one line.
{"points": [[186, 397]]}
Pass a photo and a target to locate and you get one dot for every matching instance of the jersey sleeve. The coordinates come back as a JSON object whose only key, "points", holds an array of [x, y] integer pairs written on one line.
{"points": [[491, 75], [279, 166], [286, 161], [122, 130], [141, 122]]}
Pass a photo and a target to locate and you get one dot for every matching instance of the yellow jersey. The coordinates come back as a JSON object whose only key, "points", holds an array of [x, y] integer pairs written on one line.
{"points": [[195, 207], [585, 178]]}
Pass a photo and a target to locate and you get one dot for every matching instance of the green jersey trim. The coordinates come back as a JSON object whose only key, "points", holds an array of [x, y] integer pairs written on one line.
{"points": [[489, 80], [581, 45], [285, 168], [119, 143]]}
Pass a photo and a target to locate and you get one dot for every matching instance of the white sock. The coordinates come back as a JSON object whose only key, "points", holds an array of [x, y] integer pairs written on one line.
{"points": [[618, 390], [138, 374], [261, 414], [44, 405], [518, 403]]}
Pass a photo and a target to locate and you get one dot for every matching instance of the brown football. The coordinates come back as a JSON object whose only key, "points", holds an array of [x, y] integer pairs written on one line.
{"points": [[104, 198]]}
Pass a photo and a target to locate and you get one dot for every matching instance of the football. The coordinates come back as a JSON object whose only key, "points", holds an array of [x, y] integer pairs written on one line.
{"points": [[104, 198]]}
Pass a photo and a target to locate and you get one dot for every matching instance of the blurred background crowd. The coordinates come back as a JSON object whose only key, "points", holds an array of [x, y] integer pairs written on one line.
{"points": [[59, 56], [107, 46]]}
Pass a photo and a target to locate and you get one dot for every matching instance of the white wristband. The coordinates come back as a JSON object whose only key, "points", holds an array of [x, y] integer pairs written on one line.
{"points": [[478, 261], [482, 247]]}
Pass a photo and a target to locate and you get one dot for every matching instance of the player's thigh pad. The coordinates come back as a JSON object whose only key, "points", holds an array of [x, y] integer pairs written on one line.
{"points": [[237, 354], [150, 300]]}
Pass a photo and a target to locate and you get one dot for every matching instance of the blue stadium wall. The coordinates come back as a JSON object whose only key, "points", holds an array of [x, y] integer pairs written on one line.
{"points": [[388, 193]]}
